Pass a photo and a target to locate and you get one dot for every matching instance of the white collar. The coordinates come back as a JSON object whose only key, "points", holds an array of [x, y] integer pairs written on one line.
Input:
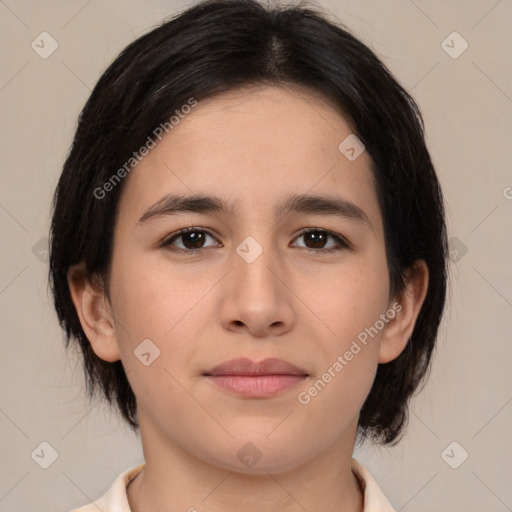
{"points": [[116, 499]]}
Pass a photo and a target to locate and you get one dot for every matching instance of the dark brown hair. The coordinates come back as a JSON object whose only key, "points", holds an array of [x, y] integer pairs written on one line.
{"points": [[218, 46]]}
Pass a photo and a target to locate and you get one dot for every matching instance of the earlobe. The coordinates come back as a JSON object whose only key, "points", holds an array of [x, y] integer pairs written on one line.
{"points": [[94, 313], [399, 330]]}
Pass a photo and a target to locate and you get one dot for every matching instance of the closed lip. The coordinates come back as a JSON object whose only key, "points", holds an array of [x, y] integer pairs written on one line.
{"points": [[247, 367]]}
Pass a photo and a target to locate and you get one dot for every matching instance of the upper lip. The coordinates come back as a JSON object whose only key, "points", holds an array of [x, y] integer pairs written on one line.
{"points": [[244, 366]]}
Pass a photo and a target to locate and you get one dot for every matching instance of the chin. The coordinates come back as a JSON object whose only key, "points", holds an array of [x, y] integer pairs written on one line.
{"points": [[259, 455]]}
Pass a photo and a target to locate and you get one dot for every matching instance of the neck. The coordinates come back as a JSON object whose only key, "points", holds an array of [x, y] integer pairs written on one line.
{"points": [[325, 483]]}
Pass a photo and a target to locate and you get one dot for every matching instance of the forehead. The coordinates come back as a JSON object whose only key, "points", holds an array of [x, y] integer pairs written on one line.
{"points": [[253, 147]]}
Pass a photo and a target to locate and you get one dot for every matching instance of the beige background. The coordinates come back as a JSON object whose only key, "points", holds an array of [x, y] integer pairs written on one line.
{"points": [[467, 105]]}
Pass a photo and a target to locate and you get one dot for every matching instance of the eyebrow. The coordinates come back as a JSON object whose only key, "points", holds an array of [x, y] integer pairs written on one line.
{"points": [[302, 203]]}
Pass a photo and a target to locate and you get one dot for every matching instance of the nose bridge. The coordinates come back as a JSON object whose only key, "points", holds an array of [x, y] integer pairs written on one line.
{"points": [[257, 299], [255, 257]]}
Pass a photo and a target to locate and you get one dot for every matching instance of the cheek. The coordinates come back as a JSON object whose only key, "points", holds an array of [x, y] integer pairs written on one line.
{"points": [[334, 400], [350, 299], [150, 300], [154, 333], [152, 304]]}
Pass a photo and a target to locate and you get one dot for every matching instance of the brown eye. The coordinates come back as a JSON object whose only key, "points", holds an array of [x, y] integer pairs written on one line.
{"points": [[316, 239], [193, 239]]}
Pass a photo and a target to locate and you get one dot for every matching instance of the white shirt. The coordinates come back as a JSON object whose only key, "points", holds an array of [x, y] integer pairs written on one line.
{"points": [[116, 500]]}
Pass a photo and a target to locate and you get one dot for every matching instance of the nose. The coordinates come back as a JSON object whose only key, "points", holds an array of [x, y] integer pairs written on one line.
{"points": [[257, 293]]}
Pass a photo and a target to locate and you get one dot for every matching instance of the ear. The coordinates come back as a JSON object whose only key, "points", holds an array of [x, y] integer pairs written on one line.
{"points": [[94, 312], [407, 308]]}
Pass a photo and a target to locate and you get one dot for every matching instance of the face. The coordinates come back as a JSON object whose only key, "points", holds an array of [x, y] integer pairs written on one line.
{"points": [[251, 282]]}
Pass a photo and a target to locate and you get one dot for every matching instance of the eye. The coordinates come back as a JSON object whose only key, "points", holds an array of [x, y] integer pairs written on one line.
{"points": [[318, 237], [192, 238]]}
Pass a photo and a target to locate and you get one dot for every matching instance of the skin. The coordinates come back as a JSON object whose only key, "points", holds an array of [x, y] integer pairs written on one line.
{"points": [[294, 302]]}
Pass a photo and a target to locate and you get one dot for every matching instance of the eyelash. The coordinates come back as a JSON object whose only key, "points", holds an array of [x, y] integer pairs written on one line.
{"points": [[342, 243]]}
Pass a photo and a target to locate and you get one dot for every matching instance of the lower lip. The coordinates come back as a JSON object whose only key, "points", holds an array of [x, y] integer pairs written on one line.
{"points": [[257, 386]]}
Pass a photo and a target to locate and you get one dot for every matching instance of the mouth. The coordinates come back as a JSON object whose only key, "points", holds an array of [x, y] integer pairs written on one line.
{"points": [[252, 379]]}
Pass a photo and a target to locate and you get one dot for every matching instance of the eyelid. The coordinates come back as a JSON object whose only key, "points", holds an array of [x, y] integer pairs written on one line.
{"points": [[167, 239], [341, 241]]}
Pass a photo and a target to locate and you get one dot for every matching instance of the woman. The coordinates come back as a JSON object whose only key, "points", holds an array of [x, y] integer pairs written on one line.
{"points": [[248, 244]]}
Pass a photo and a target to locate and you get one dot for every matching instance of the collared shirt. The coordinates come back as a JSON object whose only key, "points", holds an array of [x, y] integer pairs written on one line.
{"points": [[116, 500]]}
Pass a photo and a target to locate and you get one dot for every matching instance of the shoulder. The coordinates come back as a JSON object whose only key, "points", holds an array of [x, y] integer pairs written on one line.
{"points": [[374, 498], [115, 499]]}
